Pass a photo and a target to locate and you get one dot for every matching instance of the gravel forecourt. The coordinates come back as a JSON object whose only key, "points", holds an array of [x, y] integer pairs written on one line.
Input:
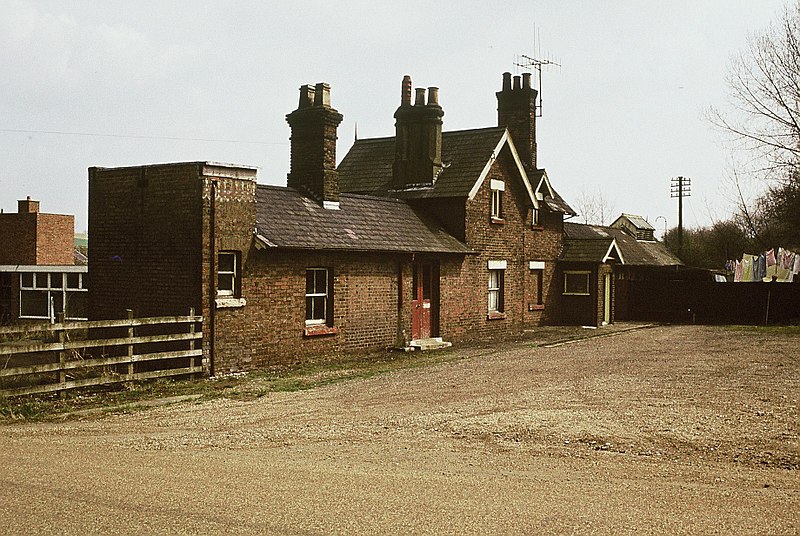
{"points": [[669, 429]]}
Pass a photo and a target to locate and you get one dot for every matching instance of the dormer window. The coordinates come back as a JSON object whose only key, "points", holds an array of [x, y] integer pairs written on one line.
{"points": [[497, 188]]}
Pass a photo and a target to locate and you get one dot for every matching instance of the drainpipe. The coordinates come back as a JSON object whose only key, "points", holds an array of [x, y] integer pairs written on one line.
{"points": [[399, 335], [212, 287]]}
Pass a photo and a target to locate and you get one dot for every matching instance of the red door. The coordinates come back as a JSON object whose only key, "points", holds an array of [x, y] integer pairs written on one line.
{"points": [[421, 301]]}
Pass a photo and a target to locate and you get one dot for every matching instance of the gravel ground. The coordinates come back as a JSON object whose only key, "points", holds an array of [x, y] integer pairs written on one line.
{"points": [[678, 429]]}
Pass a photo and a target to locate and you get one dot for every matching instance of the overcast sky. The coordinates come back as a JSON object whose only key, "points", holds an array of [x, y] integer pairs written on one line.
{"points": [[114, 83]]}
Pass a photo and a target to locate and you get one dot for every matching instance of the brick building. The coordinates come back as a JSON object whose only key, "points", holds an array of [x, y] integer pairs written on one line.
{"points": [[598, 263], [414, 239], [38, 275]]}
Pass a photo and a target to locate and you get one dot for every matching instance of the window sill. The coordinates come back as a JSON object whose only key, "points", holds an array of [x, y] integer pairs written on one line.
{"points": [[495, 315], [536, 307], [230, 302], [498, 221], [318, 331], [537, 228]]}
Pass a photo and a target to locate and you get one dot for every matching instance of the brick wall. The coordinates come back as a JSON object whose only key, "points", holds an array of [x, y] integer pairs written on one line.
{"points": [[17, 238], [464, 294], [55, 239], [269, 329], [144, 240], [36, 238]]}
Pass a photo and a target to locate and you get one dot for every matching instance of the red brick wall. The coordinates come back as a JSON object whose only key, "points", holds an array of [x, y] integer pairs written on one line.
{"points": [[464, 306], [17, 238], [55, 239], [269, 329], [228, 198], [36, 238]]}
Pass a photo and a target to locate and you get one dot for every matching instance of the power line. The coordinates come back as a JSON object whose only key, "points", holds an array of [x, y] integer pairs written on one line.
{"points": [[133, 136]]}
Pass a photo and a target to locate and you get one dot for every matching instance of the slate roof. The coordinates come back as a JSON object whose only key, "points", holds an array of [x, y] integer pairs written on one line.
{"points": [[555, 202], [367, 167], [588, 243], [636, 221], [586, 250], [287, 219]]}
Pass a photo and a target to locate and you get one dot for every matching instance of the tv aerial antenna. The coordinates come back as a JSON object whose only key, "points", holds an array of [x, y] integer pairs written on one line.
{"points": [[536, 63]]}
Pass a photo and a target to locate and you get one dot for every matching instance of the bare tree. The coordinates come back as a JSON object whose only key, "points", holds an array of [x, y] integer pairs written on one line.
{"points": [[594, 208], [764, 84]]}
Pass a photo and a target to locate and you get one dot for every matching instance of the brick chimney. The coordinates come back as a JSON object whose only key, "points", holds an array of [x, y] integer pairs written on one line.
{"points": [[516, 110], [313, 145], [27, 206], [418, 139]]}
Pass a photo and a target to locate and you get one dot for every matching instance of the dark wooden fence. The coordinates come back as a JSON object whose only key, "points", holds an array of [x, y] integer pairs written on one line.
{"points": [[708, 302], [67, 355]]}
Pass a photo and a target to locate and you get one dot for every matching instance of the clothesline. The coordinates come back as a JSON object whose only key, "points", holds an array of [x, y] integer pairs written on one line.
{"points": [[781, 266]]}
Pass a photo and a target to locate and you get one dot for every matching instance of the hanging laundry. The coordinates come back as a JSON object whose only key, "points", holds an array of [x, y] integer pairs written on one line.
{"points": [[747, 267], [771, 257], [796, 268], [783, 270], [737, 272], [772, 266], [760, 268]]}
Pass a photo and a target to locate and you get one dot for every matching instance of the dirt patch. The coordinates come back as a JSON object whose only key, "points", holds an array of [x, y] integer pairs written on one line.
{"points": [[679, 429]]}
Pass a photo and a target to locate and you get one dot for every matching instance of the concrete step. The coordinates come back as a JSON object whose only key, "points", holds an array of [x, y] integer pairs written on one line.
{"points": [[433, 343]]}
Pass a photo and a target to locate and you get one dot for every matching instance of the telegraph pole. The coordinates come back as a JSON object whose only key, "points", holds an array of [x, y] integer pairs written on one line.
{"points": [[680, 187]]}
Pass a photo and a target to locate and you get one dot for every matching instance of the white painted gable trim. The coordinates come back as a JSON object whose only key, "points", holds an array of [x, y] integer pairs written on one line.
{"points": [[546, 181], [614, 247], [504, 139]]}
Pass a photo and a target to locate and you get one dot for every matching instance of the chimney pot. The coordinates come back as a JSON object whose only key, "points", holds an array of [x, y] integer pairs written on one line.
{"points": [[433, 96], [526, 80], [405, 92], [506, 81], [322, 95], [516, 82], [420, 99], [27, 206], [306, 96]]}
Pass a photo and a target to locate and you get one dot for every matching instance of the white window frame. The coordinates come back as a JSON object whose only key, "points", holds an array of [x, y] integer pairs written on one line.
{"points": [[535, 217], [496, 289], [574, 273], [497, 188], [51, 288], [315, 320], [234, 275]]}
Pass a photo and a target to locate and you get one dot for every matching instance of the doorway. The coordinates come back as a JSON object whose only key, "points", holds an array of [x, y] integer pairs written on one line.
{"points": [[607, 298], [425, 300]]}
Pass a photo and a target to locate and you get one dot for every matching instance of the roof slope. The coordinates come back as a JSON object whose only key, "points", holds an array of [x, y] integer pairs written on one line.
{"points": [[588, 243], [287, 219], [637, 221], [367, 167]]}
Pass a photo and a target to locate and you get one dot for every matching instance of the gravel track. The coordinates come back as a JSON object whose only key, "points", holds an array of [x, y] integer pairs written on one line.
{"points": [[677, 429]]}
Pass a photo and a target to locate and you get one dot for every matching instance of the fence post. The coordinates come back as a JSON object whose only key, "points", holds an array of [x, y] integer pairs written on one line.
{"points": [[130, 343], [193, 359], [62, 355]]}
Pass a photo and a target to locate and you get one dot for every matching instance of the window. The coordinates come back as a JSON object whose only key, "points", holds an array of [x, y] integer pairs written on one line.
{"points": [[497, 188], [537, 271], [318, 302], [535, 217], [228, 273], [496, 278], [45, 294], [576, 283]]}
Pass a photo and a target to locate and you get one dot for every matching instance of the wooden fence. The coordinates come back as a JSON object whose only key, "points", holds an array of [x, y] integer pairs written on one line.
{"points": [[708, 302], [59, 362]]}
